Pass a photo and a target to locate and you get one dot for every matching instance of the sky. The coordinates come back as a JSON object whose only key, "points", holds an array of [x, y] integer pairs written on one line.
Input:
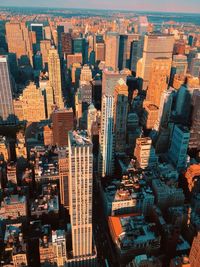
{"points": [[191, 6]]}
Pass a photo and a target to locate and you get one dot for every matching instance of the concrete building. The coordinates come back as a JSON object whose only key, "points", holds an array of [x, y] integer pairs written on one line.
{"points": [[80, 193], [63, 162], [63, 122], [155, 45], [112, 50], [120, 115], [195, 121], [76, 58], [55, 77], [145, 153], [179, 64], [30, 106], [195, 66], [179, 146], [6, 103], [106, 137], [45, 46], [100, 51], [17, 33], [86, 75], [110, 79], [150, 115], [159, 79]]}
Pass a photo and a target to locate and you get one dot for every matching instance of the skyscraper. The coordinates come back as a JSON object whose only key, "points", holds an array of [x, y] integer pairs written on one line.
{"points": [[112, 50], [38, 29], [159, 79], [100, 51], [145, 153], [120, 115], [106, 137], [45, 46], [63, 122], [155, 45], [18, 39], [179, 146], [6, 104], [80, 193], [195, 121], [55, 77], [66, 40], [195, 66], [122, 51], [63, 160], [110, 79]]}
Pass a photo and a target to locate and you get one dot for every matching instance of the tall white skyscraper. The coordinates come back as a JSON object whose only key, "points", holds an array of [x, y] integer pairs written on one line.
{"points": [[112, 50], [80, 192], [6, 104], [106, 138]]}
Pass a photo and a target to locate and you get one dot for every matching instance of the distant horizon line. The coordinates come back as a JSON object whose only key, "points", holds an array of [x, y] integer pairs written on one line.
{"points": [[102, 9]]}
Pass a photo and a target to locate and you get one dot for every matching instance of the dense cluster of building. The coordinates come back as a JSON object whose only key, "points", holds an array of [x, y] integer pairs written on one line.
{"points": [[99, 117]]}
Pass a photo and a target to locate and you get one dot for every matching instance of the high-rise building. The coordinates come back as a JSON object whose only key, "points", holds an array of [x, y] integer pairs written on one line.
{"points": [[100, 51], [6, 103], [92, 118], [38, 29], [106, 137], [59, 247], [30, 106], [80, 46], [80, 193], [120, 115], [145, 153], [182, 109], [63, 160], [86, 75], [17, 33], [179, 64], [47, 91], [150, 115], [66, 40], [109, 81], [159, 79], [122, 51], [156, 45], [55, 77], [195, 66], [45, 46], [195, 121], [165, 109], [136, 53], [63, 122], [112, 50], [179, 146], [74, 59]]}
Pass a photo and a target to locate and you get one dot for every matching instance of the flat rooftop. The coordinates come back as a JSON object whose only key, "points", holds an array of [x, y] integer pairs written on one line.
{"points": [[79, 138]]}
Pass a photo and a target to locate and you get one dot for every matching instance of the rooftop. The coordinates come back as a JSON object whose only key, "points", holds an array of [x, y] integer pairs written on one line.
{"points": [[79, 138]]}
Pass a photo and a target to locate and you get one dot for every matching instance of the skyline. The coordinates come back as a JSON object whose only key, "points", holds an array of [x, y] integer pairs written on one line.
{"points": [[145, 5]]}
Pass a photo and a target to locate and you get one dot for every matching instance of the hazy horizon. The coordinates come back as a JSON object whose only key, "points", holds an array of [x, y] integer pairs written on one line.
{"points": [[139, 5]]}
